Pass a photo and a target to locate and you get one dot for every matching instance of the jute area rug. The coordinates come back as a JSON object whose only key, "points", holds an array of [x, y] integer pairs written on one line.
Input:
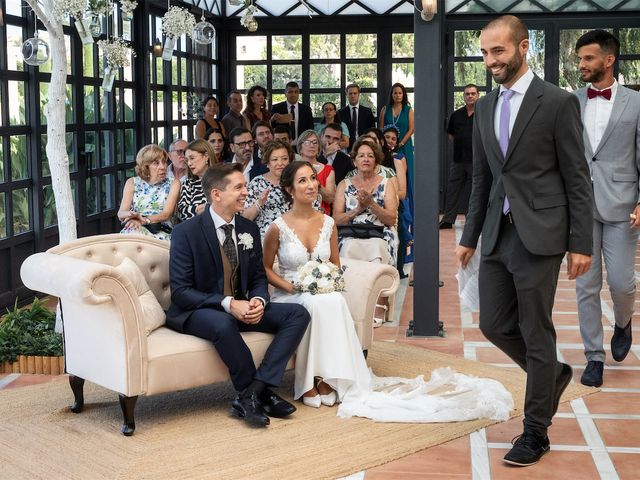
{"points": [[190, 435]]}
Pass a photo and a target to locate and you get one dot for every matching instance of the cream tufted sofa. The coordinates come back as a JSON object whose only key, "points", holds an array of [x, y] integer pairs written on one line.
{"points": [[105, 340]]}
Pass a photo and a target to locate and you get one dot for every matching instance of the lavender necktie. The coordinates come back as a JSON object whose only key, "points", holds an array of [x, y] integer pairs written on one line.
{"points": [[503, 131]]}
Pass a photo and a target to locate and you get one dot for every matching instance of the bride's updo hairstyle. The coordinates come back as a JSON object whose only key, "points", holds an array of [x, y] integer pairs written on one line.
{"points": [[289, 175]]}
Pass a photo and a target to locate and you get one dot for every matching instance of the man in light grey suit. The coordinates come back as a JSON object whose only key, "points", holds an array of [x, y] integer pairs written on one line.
{"points": [[531, 200], [611, 117]]}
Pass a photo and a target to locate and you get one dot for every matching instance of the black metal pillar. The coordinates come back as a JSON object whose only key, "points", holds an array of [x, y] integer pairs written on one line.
{"points": [[429, 102]]}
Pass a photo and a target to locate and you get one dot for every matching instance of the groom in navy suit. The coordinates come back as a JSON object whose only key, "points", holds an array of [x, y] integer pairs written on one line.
{"points": [[219, 289]]}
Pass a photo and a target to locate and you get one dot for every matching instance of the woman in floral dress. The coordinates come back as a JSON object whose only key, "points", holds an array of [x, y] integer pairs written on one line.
{"points": [[149, 199]]}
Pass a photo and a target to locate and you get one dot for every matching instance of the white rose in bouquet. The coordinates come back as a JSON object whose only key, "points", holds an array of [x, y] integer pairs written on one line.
{"points": [[317, 276]]}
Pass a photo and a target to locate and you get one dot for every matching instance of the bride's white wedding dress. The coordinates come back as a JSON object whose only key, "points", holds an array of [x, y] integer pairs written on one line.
{"points": [[330, 349]]}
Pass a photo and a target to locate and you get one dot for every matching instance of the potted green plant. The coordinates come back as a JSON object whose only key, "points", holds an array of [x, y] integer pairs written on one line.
{"points": [[28, 341]]}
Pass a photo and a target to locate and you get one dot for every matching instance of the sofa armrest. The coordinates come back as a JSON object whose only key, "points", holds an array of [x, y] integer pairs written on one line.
{"points": [[365, 282], [104, 334]]}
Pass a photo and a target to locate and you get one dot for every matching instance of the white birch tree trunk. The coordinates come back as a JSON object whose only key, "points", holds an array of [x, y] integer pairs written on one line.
{"points": [[54, 111]]}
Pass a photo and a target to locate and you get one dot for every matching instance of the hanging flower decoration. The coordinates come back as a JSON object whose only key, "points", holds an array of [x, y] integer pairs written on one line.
{"points": [[177, 22], [128, 6], [100, 7], [117, 52], [73, 8], [248, 20]]}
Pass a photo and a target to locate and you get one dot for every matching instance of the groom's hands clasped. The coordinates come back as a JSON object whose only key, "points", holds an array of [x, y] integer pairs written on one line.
{"points": [[247, 311]]}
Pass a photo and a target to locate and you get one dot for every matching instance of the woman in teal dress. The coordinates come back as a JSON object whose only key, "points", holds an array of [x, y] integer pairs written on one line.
{"points": [[399, 114]]}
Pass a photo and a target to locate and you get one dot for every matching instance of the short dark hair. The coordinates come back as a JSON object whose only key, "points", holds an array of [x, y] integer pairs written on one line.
{"points": [[282, 129], [608, 42], [207, 99], [216, 177], [260, 123], [332, 126], [272, 146], [519, 29], [352, 85], [236, 132], [233, 92], [377, 150], [471, 85], [289, 175], [292, 84]]}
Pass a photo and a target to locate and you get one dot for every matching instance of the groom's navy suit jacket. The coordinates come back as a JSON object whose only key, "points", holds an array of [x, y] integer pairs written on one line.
{"points": [[196, 271]]}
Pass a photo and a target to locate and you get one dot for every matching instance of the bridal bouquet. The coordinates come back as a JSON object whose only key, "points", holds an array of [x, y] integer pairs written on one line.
{"points": [[317, 276]]}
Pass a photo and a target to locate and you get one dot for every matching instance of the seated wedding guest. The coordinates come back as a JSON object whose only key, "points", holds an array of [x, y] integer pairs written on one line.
{"points": [[282, 133], [242, 143], [257, 106], [331, 153], [234, 119], [262, 134], [212, 300], [149, 199], [217, 140], [178, 166], [265, 199], [329, 116], [209, 120], [405, 237], [192, 201], [309, 148], [370, 200]]}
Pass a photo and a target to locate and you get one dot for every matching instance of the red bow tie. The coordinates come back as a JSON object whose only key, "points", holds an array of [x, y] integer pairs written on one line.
{"points": [[592, 93]]}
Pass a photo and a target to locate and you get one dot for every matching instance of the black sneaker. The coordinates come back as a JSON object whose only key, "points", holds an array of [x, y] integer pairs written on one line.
{"points": [[527, 449], [445, 225], [592, 375]]}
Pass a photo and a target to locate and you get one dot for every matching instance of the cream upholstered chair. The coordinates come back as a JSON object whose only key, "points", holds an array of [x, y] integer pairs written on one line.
{"points": [[109, 339]]}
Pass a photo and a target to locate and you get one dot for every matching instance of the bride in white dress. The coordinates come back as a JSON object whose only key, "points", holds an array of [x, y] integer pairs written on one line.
{"points": [[330, 365]]}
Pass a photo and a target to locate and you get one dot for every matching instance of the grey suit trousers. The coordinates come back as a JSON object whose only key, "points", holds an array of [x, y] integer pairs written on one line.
{"points": [[616, 244]]}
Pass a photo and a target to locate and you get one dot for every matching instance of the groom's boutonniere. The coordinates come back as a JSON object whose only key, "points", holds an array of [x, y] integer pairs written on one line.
{"points": [[246, 240]]}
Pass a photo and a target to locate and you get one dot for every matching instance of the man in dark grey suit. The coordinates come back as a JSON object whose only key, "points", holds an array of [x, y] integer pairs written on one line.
{"points": [[531, 200], [357, 117], [611, 117]]}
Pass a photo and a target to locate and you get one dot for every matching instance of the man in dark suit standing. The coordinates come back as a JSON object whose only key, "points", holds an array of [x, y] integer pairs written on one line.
{"points": [[531, 200], [219, 289], [357, 117], [297, 115], [331, 154]]}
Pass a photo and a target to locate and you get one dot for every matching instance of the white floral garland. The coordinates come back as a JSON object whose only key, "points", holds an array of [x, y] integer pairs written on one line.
{"points": [[177, 22], [117, 52], [128, 6], [74, 8]]}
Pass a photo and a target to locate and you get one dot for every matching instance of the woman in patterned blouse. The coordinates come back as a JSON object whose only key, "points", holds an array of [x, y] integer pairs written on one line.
{"points": [[149, 197], [265, 201], [192, 201]]}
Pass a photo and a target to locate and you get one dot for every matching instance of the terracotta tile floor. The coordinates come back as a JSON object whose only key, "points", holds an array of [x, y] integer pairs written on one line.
{"points": [[596, 437]]}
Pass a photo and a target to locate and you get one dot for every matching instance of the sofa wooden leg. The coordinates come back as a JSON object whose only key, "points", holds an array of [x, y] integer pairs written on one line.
{"points": [[365, 353], [77, 386], [128, 405]]}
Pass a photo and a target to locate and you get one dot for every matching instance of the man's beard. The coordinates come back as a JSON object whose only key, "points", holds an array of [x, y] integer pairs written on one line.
{"points": [[593, 76], [510, 69]]}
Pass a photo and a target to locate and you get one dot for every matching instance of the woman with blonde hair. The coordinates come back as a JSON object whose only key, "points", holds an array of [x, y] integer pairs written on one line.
{"points": [[200, 155], [149, 199]]}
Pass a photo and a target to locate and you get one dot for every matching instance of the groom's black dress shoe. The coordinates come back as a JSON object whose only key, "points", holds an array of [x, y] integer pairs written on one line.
{"points": [[274, 405], [562, 382], [527, 449], [247, 407], [592, 375], [621, 342]]}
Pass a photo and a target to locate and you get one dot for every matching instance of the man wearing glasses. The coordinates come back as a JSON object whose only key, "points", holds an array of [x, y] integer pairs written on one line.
{"points": [[178, 167], [242, 144]]}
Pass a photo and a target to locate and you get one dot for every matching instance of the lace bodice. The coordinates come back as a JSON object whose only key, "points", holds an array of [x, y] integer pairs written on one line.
{"points": [[292, 253]]}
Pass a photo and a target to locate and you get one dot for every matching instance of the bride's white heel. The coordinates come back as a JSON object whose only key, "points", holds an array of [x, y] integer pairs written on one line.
{"points": [[329, 400], [314, 402]]}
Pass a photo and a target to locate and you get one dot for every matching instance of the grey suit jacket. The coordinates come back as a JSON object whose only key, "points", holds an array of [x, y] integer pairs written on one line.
{"points": [[544, 175], [615, 163]]}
